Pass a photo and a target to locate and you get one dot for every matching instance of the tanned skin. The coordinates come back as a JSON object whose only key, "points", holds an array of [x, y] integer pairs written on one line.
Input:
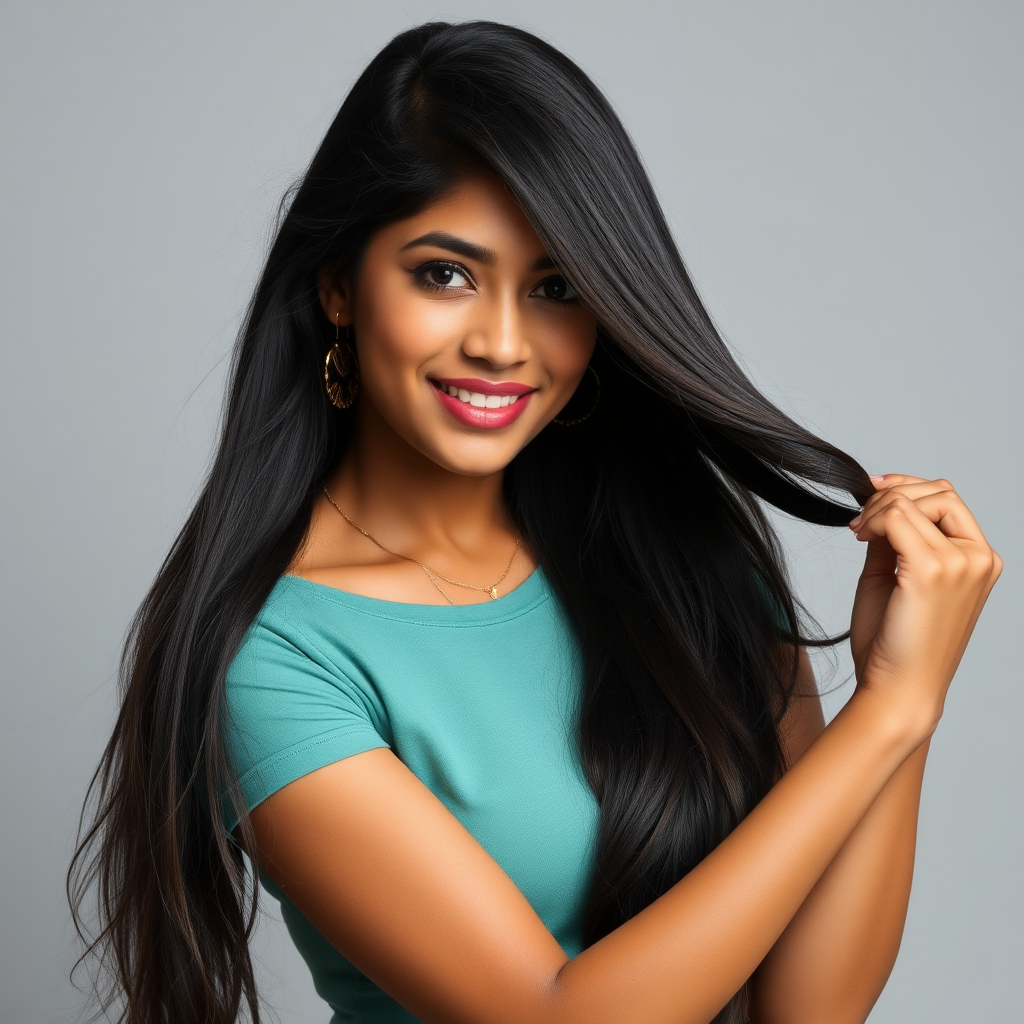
{"points": [[808, 894]]}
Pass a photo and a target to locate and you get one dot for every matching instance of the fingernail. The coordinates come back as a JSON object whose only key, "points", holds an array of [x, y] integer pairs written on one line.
{"points": [[854, 523], [876, 479]]}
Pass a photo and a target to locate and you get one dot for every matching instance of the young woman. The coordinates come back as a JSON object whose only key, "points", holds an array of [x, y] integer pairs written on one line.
{"points": [[478, 641]]}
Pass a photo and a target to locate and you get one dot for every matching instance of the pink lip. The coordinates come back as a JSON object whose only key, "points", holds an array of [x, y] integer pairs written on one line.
{"points": [[486, 387], [473, 416]]}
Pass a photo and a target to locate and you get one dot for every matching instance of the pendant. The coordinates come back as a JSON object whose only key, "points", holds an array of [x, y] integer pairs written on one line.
{"points": [[494, 593]]}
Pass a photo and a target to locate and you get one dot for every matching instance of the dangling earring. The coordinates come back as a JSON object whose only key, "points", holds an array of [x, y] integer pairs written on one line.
{"points": [[341, 393], [593, 406]]}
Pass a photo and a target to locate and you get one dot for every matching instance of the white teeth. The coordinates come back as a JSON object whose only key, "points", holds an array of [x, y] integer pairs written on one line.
{"points": [[478, 400]]}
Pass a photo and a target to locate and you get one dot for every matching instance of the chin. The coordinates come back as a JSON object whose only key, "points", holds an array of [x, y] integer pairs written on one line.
{"points": [[472, 457]]}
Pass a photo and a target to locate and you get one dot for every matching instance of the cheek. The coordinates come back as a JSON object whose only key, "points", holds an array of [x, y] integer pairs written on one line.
{"points": [[398, 333], [568, 349]]}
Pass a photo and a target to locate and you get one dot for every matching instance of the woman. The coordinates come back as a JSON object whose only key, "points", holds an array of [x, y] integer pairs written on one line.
{"points": [[478, 640]]}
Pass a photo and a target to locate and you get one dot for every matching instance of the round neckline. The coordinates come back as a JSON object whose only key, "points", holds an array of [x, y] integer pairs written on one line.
{"points": [[521, 598]]}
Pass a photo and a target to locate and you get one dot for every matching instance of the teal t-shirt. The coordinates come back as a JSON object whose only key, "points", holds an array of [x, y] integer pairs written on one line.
{"points": [[479, 701]]}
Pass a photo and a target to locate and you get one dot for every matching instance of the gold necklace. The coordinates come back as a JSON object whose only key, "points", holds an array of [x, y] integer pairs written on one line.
{"points": [[492, 590]]}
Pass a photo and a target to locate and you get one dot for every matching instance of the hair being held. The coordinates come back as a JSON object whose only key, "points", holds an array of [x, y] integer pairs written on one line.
{"points": [[678, 605]]}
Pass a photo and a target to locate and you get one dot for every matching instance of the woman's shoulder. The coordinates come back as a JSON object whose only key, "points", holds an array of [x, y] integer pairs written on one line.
{"points": [[301, 638], [294, 698], [309, 613], [290, 616]]}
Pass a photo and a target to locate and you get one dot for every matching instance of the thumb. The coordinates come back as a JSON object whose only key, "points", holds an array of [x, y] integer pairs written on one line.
{"points": [[880, 559]]}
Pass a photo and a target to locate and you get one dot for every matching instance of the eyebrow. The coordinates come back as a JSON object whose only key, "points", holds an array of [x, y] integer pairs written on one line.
{"points": [[471, 250]]}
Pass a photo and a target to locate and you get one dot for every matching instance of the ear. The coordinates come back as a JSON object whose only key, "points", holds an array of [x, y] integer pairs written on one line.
{"points": [[335, 296]]}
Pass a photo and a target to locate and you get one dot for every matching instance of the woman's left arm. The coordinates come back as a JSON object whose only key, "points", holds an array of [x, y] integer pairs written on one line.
{"points": [[832, 961]]}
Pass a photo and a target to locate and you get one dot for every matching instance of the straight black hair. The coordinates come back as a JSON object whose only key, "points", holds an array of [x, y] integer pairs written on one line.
{"points": [[647, 518]]}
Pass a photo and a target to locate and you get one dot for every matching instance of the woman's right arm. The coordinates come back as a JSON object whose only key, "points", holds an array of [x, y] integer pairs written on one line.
{"points": [[378, 864], [383, 870]]}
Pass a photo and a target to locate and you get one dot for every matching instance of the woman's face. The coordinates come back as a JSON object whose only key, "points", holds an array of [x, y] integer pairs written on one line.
{"points": [[469, 340]]}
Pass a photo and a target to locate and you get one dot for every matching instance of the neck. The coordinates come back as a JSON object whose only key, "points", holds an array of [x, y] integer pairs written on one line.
{"points": [[396, 492]]}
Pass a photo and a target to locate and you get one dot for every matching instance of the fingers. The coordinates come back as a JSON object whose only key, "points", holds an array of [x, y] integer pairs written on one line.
{"points": [[939, 515], [947, 510], [894, 479], [936, 498], [898, 526], [914, 488], [896, 512], [933, 534]]}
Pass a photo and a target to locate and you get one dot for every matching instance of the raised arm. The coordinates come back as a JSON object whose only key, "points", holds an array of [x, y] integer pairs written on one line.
{"points": [[390, 877]]}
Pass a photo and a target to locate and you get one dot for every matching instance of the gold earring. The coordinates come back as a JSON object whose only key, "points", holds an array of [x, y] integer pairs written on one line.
{"points": [[341, 393], [593, 406]]}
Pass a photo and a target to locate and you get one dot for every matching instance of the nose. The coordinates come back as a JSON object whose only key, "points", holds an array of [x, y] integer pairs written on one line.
{"points": [[498, 334]]}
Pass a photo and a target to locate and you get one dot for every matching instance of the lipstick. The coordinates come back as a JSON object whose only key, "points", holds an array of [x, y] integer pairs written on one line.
{"points": [[482, 403]]}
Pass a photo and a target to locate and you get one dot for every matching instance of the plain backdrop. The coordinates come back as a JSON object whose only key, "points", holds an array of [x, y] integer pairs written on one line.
{"points": [[844, 181]]}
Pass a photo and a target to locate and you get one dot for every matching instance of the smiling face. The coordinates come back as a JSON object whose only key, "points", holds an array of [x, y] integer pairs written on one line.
{"points": [[469, 340]]}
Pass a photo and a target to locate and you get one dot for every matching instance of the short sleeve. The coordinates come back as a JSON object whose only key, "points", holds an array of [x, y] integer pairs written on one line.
{"points": [[289, 711]]}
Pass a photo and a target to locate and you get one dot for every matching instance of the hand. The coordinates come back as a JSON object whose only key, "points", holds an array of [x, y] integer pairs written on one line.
{"points": [[927, 575]]}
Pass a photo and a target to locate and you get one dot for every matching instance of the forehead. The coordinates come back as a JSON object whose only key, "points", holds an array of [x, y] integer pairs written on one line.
{"points": [[478, 209]]}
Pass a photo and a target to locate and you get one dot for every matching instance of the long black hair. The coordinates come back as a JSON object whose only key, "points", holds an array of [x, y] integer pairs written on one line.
{"points": [[647, 518]]}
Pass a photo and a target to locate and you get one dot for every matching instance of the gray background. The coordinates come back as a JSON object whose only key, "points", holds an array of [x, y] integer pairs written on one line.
{"points": [[844, 180]]}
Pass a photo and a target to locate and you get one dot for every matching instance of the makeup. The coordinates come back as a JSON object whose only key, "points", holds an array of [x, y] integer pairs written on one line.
{"points": [[482, 403]]}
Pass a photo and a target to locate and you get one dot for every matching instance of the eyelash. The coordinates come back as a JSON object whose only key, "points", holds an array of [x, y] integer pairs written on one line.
{"points": [[420, 275]]}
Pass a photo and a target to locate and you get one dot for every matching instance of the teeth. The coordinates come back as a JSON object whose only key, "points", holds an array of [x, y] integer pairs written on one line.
{"points": [[479, 401]]}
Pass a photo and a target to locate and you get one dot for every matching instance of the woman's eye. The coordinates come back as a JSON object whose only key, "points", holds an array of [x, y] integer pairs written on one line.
{"points": [[441, 277], [557, 289]]}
